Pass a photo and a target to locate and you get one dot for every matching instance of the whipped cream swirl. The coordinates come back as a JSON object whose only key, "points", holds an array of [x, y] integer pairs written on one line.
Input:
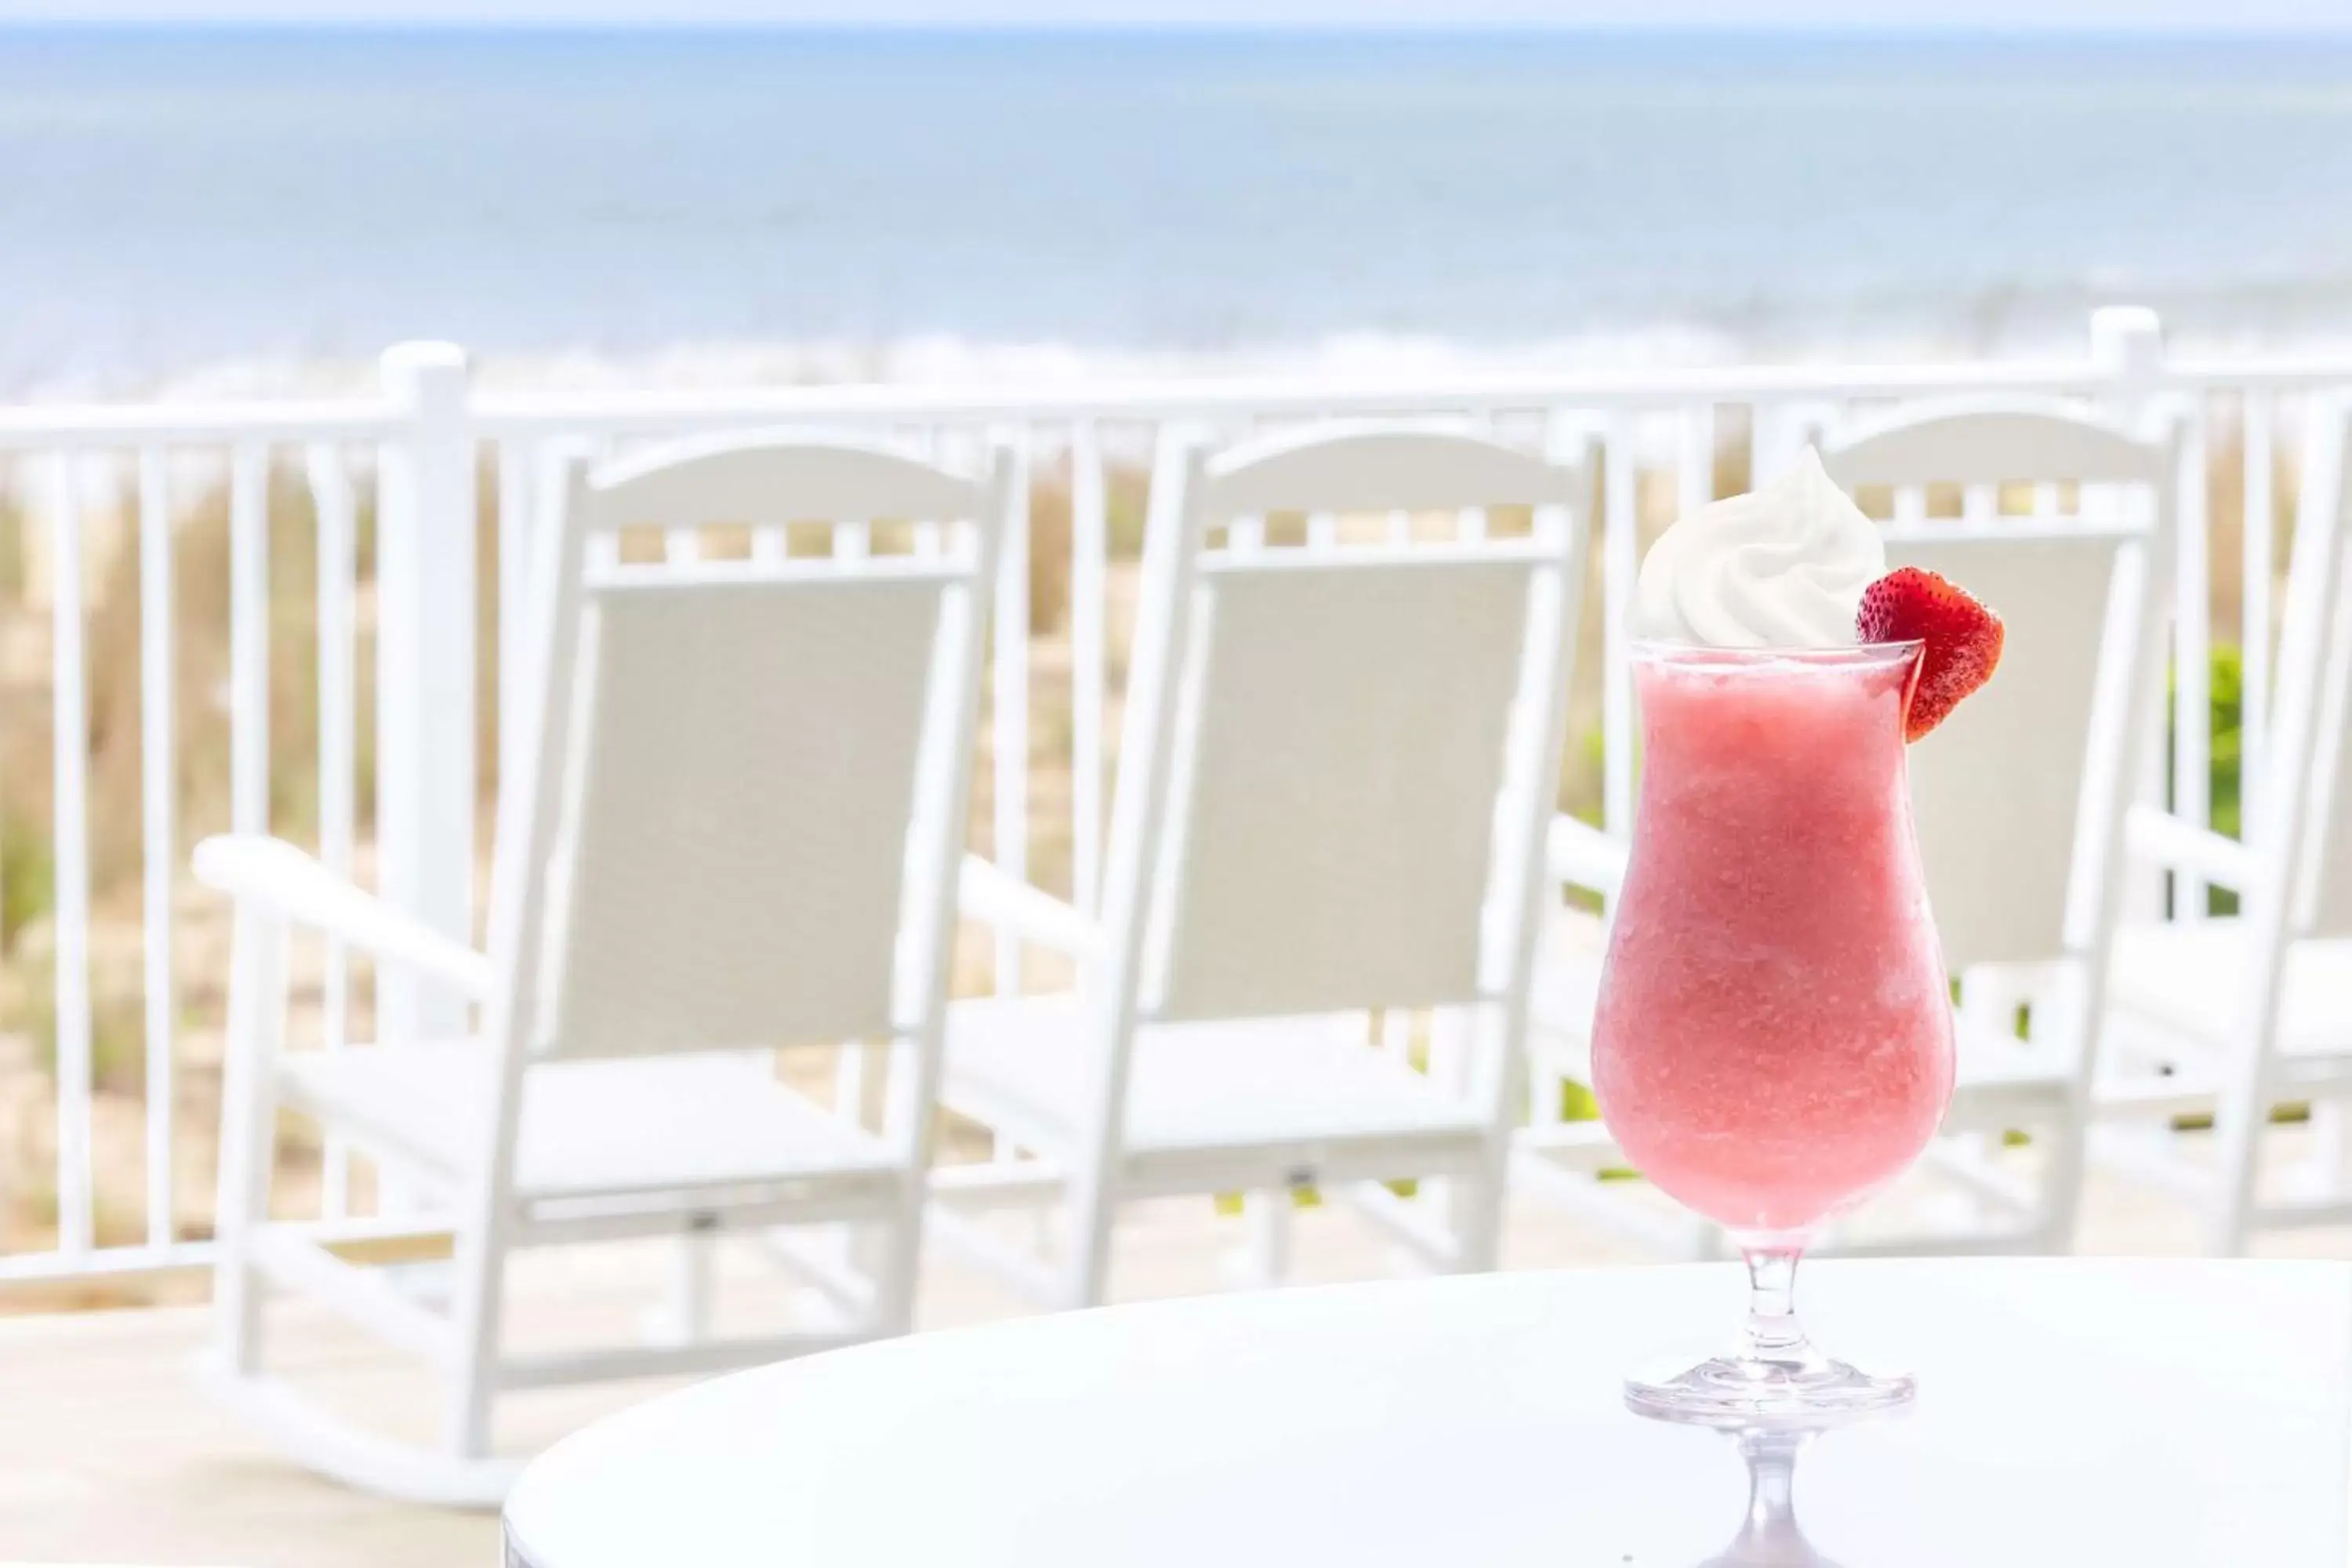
{"points": [[1784, 566]]}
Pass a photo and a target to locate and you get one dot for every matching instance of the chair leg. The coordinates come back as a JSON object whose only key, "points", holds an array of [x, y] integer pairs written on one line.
{"points": [[1476, 1202], [480, 1302], [1271, 1217], [895, 1260], [2239, 1121], [240, 1295], [690, 1287], [240, 1291], [2065, 1157], [1092, 1217], [2323, 1165], [248, 1139], [2240, 1172]]}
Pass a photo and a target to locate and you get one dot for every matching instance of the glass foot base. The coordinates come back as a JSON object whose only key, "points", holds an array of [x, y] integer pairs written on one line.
{"points": [[1729, 1391]]}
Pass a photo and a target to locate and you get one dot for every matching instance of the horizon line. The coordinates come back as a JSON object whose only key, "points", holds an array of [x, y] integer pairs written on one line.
{"points": [[1412, 27]]}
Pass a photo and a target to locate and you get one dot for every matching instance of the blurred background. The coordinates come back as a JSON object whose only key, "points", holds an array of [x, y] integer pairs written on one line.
{"points": [[586, 188], [217, 215]]}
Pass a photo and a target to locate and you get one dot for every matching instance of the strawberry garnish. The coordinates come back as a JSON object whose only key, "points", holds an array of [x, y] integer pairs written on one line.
{"points": [[1961, 638]]}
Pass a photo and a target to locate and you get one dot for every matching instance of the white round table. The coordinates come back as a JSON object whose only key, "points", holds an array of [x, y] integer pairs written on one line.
{"points": [[2070, 1413]]}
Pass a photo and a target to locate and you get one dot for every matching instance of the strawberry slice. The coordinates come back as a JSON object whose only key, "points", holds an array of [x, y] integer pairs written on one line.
{"points": [[1962, 640]]}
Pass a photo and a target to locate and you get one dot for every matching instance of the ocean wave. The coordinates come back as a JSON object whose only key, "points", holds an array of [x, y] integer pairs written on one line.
{"points": [[946, 360]]}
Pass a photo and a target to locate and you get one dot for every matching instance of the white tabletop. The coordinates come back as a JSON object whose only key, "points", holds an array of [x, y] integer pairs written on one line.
{"points": [[2074, 1412]]}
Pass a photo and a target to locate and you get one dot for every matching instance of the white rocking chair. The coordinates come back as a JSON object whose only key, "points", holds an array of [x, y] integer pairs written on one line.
{"points": [[737, 829], [2230, 1015], [1337, 758], [2019, 800]]}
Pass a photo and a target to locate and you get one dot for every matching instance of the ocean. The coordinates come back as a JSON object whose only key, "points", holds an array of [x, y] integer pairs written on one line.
{"points": [[249, 206]]}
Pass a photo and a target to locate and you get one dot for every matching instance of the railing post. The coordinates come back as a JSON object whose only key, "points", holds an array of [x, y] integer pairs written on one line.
{"points": [[1621, 551], [2128, 351], [2128, 348], [1009, 707], [424, 671], [2257, 579]]}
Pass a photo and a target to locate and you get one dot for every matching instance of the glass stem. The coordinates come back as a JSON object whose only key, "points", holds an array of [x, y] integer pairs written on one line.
{"points": [[1773, 1333], [1772, 1479]]}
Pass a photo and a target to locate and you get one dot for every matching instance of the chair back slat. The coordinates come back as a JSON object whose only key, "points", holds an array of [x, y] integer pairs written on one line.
{"points": [[742, 781], [1349, 728], [1997, 790], [753, 479], [2018, 794], [2013, 441], [1379, 470], [745, 764], [1330, 845]]}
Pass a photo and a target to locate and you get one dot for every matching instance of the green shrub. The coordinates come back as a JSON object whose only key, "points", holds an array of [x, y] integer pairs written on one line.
{"points": [[2226, 682], [28, 874]]}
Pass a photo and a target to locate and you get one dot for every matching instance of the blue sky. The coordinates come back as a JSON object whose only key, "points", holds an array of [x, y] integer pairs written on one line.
{"points": [[2165, 15]]}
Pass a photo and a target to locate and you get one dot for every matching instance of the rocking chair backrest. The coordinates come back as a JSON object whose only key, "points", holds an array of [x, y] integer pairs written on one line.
{"points": [[747, 793], [1361, 741], [2019, 797]]}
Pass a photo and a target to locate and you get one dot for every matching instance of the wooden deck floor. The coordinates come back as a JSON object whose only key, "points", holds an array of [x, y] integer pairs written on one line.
{"points": [[108, 1453]]}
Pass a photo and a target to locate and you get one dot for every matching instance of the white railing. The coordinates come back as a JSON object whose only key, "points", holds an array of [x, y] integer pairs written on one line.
{"points": [[427, 439]]}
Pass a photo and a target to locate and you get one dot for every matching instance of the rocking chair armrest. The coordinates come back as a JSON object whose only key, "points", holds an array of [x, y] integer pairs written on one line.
{"points": [[1585, 855], [274, 875], [2153, 835], [987, 892]]}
